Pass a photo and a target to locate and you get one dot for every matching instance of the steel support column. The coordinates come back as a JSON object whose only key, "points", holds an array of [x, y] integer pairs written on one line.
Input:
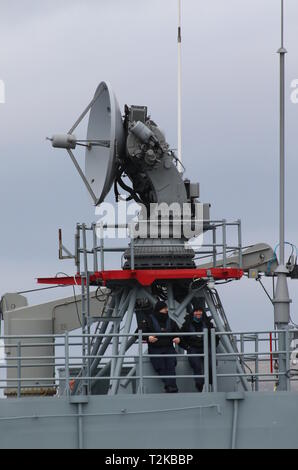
{"points": [[126, 330]]}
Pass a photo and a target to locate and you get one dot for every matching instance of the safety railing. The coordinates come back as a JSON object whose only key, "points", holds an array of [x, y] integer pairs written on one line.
{"points": [[215, 243], [54, 365]]}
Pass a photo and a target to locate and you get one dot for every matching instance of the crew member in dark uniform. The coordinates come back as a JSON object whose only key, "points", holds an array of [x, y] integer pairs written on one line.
{"points": [[160, 322], [197, 321]]}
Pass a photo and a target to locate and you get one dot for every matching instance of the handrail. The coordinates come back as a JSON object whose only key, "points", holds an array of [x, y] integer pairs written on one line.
{"points": [[99, 247], [21, 363]]}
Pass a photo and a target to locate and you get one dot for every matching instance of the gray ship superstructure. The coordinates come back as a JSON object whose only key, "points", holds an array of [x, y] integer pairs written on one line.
{"points": [[77, 370]]}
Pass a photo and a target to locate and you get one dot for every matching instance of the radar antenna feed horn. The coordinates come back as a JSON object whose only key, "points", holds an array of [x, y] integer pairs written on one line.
{"points": [[105, 141]]}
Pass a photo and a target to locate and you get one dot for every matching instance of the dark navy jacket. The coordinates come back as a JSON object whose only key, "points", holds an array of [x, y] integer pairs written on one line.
{"points": [[160, 323], [195, 341]]}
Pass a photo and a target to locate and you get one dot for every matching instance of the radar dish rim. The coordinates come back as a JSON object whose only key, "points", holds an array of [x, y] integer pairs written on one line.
{"points": [[100, 162]]}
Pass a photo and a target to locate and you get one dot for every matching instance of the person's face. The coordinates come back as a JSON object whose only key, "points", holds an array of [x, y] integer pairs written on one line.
{"points": [[164, 310], [198, 314]]}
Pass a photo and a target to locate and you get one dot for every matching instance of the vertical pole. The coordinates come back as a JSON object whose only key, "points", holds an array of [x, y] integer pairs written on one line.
{"points": [[282, 359], [66, 346], [240, 243], [287, 342], [171, 300], [132, 252], [282, 51], [241, 343], [84, 309], [179, 90], [224, 242], [213, 360], [270, 348], [257, 362], [84, 248], [234, 426], [281, 298], [19, 368], [102, 263], [214, 245], [206, 360], [80, 426], [95, 261], [88, 332], [141, 380], [77, 249]]}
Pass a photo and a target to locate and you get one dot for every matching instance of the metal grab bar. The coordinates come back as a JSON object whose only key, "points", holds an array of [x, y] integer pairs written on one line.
{"points": [[99, 229], [67, 360]]}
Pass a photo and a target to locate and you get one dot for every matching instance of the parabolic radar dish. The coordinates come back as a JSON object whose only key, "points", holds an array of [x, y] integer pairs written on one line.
{"points": [[105, 123]]}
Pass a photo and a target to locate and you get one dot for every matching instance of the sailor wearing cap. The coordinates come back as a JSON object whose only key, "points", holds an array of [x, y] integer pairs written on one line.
{"points": [[196, 321], [160, 322]]}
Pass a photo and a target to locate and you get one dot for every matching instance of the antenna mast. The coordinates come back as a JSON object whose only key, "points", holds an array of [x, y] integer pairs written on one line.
{"points": [[179, 123], [282, 52], [281, 296]]}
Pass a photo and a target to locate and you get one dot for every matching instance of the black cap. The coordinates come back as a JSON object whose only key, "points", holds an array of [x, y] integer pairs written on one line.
{"points": [[159, 305], [198, 304]]}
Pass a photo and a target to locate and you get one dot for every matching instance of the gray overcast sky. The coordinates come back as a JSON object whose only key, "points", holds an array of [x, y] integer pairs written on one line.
{"points": [[52, 56]]}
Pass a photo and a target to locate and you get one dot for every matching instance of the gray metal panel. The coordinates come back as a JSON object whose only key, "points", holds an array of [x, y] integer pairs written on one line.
{"points": [[224, 384], [65, 313], [157, 386], [259, 257], [28, 348], [160, 421], [12, 301], [227, 384]]}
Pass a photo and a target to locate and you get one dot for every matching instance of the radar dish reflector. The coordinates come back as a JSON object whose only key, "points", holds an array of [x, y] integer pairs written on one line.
{"points": [[105, 123]]}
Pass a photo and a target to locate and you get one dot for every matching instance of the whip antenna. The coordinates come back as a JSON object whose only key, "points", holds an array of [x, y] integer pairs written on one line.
{"points": [[179, 123]]}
